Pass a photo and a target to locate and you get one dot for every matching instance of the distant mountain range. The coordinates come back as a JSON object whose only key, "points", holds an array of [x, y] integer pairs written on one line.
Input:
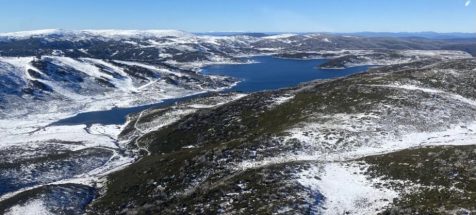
{"points": [[429, 35], [426, 34]]}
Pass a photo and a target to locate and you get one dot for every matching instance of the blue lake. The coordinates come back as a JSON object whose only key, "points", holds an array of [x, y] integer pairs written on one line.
{"points": [[273, 73], [268, 73]]}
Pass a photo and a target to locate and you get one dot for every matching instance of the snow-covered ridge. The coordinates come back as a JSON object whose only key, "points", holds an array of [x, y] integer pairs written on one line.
{"points": [[67, 83], [26, 34], [118, 34], [106, 33], [279, 36], [181, 40]]}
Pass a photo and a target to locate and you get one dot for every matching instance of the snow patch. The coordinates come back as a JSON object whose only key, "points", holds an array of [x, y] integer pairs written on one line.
{"points": [[431, 91], [33, 207], [346, 189], [279, 36], [281, 100], [152, 68]]}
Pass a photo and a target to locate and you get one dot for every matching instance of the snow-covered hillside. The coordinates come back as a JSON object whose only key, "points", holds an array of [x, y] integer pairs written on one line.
{"points": [[320, 148], [62, 84]]}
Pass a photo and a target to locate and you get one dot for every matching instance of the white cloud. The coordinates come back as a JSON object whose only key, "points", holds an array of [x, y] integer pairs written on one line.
{"points": [[467, 3]]}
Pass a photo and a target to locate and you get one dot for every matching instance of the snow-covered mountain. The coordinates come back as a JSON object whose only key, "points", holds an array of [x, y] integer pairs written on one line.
{"points": [[275, 152], [37, 67], [57, 83], [47, 68], [148, 44], [88, 34], [96, 69]]}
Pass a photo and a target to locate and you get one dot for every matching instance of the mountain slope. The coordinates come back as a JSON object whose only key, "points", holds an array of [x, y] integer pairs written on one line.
{"points": [[30, 84], [283, 150]]}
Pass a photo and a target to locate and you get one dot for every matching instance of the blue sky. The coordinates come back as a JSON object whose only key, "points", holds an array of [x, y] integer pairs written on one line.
{"points": [[242, 15]]}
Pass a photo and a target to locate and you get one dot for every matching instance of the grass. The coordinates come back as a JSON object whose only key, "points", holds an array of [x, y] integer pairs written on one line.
{"points": [[446, 177]]}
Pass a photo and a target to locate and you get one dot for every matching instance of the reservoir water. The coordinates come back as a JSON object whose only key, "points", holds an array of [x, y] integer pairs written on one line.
{"points": [[271, 73], [268, 73]]}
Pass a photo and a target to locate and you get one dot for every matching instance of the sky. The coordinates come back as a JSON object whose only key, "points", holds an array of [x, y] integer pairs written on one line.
{"points": [[241, 15]]}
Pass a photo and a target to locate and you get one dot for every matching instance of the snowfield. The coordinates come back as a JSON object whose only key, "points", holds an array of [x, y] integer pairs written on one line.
{"points": [[346, 189], [34, 207]]}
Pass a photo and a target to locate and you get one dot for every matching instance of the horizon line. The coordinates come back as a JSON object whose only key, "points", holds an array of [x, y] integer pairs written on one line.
{"points": [[240, 31]]}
